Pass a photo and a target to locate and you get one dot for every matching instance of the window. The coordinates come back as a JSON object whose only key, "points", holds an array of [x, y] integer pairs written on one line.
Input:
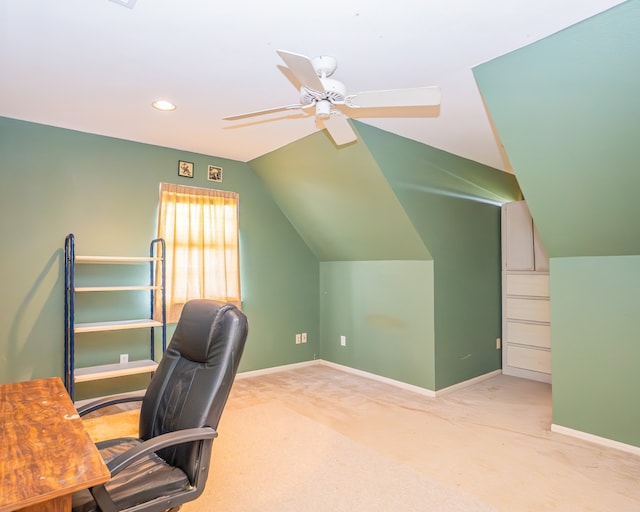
{"points": [[200, 229]]}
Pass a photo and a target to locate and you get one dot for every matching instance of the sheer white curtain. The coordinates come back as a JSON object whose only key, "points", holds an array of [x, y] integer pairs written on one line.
{"points": [[200, 229]]}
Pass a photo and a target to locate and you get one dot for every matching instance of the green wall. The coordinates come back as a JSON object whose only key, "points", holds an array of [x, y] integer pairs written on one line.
{"points": [[566, 109], [385, 310], [105, 191], [596, 345], [454, 205], [376, 272], [388, 242], [397, 203]]}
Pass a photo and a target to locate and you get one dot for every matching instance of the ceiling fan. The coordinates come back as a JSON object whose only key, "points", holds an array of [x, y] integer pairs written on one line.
{"points": [[330, 100]]}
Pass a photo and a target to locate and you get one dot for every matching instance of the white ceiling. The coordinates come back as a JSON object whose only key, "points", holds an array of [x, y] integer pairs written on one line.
{"points": [[96, 66]]}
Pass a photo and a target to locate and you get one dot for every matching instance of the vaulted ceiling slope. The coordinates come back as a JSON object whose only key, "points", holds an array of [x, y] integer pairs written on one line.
{"points": [[339, 202], [96, 66], [385, 198], [567, 110]]}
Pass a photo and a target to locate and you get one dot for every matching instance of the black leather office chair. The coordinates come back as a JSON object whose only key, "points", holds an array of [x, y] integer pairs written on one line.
{"points": [[168, 464]]}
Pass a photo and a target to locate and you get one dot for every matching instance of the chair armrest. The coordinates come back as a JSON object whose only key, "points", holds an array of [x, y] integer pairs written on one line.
{"points": [[85, 409], [154, 444]]}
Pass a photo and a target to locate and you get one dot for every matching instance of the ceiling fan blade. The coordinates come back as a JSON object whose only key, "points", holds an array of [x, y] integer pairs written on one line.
{"points": [[302, 69], [414, 97], [265, 111], [339, 129]]}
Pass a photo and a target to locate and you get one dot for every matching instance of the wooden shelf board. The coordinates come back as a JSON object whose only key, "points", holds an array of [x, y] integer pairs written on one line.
{"points": [[114, 288], [115, 259], [109, 371], [116, 325]]}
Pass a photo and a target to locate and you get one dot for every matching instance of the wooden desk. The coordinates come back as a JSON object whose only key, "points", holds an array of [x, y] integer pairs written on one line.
{"points": [[45, 453]]}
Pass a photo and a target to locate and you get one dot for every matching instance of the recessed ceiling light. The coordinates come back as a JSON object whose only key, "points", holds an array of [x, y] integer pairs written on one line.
{"points": [[163, 105]]}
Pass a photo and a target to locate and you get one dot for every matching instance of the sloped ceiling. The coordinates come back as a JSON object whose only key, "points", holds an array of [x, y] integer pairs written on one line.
{"points": [[567, 111], [339, 202], [344, 207]]}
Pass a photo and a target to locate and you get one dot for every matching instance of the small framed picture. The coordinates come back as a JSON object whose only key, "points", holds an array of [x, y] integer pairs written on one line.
{"points": [[214, 173], [185, 169]]}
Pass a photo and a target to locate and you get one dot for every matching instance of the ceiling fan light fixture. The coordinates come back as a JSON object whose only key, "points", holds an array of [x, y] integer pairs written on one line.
{"points": [[164, 105], [323, 109]]}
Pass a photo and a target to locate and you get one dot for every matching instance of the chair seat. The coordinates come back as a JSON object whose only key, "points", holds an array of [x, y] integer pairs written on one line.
{"points": [[143, 481]]}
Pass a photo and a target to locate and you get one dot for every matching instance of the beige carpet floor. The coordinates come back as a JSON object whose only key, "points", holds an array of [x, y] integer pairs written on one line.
{"points": [[279, 460], [319, 439]]}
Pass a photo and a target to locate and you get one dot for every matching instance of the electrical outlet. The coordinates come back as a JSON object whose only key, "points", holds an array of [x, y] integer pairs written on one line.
{"points": [[124, 358], [304, 337], [343, 341], [298, 339], [498, 343]]}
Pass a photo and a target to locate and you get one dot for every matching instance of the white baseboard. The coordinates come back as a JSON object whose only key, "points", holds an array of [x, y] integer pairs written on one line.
{"points": [[603, 441], [467, 383], [410, 387], [276, 369], [399, 384], [526, 374], [386, 380]]}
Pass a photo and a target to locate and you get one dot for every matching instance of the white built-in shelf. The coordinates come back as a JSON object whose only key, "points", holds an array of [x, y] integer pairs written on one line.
{"points": [[113, 288], [108, 371], [115, 259], [116, 325]]}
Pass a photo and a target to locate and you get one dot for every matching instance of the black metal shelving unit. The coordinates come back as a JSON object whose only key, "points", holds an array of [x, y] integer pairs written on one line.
{"points": [[156, 262]]}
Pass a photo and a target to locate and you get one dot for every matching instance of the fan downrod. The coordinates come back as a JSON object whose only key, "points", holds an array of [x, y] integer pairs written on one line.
{"points": [[324, 65]]}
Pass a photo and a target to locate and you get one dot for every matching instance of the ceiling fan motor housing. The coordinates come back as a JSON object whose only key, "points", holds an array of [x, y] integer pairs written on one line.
{"points": [[334, 92]]}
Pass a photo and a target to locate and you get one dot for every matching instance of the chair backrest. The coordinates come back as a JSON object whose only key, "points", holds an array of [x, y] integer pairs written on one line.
{"points": [[190, 387]]}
